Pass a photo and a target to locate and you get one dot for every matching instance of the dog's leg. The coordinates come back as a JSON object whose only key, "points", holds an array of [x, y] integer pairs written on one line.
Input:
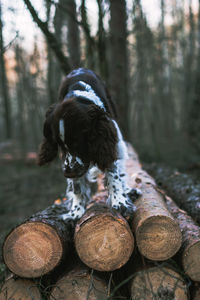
{"points": [[78, 194], [121, 196]]}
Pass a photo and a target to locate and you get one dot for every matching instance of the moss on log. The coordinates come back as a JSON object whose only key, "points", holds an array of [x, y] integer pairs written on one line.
{"points": [[38, 245]]}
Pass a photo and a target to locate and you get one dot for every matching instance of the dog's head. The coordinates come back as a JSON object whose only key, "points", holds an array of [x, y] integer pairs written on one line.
{"points": [[84, 133]]}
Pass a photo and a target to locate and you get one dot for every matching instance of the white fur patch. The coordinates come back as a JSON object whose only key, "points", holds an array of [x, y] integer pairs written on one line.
{"points": [[121, 146], [89, 94], [62, 130]]}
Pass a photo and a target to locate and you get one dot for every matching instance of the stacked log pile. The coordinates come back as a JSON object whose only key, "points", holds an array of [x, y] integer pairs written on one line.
{"points": [[84, 260]]}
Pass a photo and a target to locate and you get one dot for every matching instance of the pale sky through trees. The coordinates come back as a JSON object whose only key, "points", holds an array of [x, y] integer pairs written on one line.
{"points": [[20, 19]]}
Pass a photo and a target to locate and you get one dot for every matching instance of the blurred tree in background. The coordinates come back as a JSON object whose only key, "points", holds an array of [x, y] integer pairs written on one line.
{"points": [[152, 71]]}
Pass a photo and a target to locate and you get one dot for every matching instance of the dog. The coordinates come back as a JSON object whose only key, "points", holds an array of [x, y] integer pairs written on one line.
{"points": [[82, 124]]}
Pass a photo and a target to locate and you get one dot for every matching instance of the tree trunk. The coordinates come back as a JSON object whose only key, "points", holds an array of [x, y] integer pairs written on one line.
{"points": [[79, 284], [193, 118], [180, 187], [101, 43], [103, 239], [190, 249], [189, 72], [89, 40], [119, 61], [160, 282], [73, 34], [21, 107], [157, 233], [19, 288], [37, 246], [4, 84], [53, 66]]}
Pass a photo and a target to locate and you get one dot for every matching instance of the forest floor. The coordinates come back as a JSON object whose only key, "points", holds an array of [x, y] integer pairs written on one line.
{"points": [[26, 188]]}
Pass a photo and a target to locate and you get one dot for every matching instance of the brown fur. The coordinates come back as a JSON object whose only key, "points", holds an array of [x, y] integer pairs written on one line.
{"points": [[89, 131]]}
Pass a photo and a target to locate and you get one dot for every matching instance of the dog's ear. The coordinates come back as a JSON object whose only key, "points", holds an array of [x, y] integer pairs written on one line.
{"points": [[49, 148], [102, 140]]}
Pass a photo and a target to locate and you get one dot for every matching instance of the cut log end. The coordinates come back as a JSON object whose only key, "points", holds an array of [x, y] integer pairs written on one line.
{"points": [[32, 249], [22, 289], [191, 261], [158, 283], [79, 285], [158, 237], [104, 240]]}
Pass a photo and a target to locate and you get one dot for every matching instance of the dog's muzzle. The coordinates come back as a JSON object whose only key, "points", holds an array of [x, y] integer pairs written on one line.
{"points": [[74, 167]]}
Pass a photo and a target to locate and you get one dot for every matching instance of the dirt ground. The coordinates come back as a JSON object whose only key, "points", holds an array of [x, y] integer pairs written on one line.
{"points": [[25, 189]]}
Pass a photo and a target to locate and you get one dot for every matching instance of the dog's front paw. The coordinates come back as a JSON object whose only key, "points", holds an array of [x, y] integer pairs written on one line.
{"points": [[124, 210], [124, 205], [134, 194], [75, 213]]}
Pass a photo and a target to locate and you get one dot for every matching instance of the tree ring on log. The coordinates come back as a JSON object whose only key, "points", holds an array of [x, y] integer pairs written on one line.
{"points": [[158, 238], [79, 285], [191, 261], [104, 242], [23, 289], [158, 283], [32, 249]]}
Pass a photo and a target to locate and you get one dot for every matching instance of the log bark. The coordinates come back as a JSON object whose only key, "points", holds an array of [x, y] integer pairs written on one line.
{"points": [[18, 288], [179, 186], [37, 246], [103, 239], [158, 282], [79, 284], [158, 235], [190, 249]]}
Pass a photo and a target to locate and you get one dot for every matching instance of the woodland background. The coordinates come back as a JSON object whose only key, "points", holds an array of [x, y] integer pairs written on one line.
{"points": [[152, 69]]}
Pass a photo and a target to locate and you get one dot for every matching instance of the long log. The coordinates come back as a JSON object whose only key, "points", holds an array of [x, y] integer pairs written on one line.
{"points": [[103, 238], [190, 249], [179, 186], [37, 246], [79, 284], [157, 233], [19, 289], [159, 282]]}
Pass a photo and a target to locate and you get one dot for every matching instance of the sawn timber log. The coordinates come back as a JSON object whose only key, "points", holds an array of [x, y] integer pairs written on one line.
{"points": [[37, 246], [19, 288], [190, 249], [180, 187], [103, 238], [157, 233]]}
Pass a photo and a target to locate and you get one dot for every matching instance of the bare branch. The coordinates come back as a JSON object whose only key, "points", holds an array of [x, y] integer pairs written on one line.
{"points": [[80, 23], [11, 42], [51, 39]]}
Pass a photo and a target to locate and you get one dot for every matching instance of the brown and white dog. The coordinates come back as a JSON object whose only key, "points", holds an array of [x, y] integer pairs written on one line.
{"points": [[82, 124]]}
